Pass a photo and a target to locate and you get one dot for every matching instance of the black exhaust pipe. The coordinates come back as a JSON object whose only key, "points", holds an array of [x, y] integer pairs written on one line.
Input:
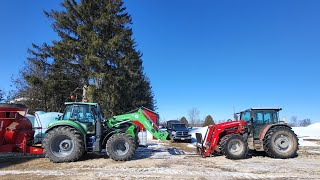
{"points": [[97, 144]]}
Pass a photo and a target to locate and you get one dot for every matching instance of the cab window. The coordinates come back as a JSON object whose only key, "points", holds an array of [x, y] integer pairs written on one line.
{"points": [[259, 118], [245, 116], [80, 113], [263, 117], [275, 117], [267, 118]]}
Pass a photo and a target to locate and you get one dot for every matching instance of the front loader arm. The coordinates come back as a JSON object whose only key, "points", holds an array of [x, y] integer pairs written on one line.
{"points": [[141, 117]]}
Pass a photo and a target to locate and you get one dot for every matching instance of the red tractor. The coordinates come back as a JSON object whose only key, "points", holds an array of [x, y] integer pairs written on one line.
{"points": [[16, 132], [224, 137], [259, 129]]}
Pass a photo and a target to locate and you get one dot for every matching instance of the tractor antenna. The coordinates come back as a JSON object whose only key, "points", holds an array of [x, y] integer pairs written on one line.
{"points": [[235, 116]]}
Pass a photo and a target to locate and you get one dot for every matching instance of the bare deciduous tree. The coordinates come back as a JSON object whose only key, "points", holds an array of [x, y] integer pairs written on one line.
{"points": [[1, 95], [194, 116], [293, 121], [304, 122]]}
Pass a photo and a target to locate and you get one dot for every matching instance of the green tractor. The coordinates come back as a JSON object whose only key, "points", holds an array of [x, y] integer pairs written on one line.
{"points": [[83, 129], [267, 133]]}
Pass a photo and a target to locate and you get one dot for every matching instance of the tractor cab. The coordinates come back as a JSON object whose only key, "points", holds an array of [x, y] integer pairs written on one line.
{"points": [[259, 118], [86, 114]]}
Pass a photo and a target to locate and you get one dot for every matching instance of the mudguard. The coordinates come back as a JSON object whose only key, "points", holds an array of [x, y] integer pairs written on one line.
{"points": [[266, 129], [67, 123]]}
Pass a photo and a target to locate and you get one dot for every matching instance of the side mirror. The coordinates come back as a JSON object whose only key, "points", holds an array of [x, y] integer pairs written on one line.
{"points": [[59, 116]]}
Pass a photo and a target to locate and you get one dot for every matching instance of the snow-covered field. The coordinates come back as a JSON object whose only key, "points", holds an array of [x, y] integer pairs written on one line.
{"points": [[166, 160], [312, 132]]}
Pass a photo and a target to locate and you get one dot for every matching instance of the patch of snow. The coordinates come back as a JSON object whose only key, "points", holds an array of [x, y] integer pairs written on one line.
{"points": [[310, 132], [314, 151], [315, 125], [303, 142], [192, 145], [193, 131]]}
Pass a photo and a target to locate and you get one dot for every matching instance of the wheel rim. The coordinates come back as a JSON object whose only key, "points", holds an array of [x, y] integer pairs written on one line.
{"points": [[62, 146], [121, 147], [283, 143], [235, 147]]}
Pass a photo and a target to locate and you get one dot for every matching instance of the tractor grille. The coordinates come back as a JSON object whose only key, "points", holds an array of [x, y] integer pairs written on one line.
{"points": [[180, 133]]}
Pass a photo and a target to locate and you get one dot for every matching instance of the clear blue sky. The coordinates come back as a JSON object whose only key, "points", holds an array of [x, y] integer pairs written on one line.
{"points": [[212, 55]]}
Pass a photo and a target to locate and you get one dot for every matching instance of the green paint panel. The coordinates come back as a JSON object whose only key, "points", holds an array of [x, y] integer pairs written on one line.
{"points": [[67, 123]]}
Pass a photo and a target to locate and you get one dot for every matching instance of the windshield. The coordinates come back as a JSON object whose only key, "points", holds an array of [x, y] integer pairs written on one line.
{"points": [[179, 126], [83, 113], [245, 116]]}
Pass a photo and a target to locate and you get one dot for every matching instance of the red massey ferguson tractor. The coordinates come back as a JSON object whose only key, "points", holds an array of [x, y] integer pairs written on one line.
{"points": [[258, 129]]}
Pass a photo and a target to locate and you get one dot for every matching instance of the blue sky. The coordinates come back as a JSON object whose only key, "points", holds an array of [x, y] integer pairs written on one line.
{"points": [[211, 55]]}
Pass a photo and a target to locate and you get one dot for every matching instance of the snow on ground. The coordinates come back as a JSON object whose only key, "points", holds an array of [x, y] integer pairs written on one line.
{"points": [[311, 132]]}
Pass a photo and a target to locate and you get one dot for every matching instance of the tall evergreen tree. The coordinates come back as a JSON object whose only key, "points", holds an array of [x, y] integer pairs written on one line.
{"points": [[184, 121], [208, 121], [95, 48]]}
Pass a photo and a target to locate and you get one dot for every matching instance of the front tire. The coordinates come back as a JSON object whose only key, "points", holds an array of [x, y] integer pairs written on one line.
{"points": [[234, 147], [63, 144], [281, 142], [121, 147]]}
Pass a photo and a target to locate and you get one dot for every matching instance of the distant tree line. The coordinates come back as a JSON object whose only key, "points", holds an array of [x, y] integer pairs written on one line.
{"points": [[195, 121], [294, 122]]}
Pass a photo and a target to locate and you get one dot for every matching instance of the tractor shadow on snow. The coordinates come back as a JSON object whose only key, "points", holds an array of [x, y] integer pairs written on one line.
{"points": [[156, 153], [152, 151], [252, 154]]}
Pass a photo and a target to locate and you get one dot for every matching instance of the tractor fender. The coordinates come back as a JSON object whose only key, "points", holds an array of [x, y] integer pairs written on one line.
{"points": [[70, 124], [266, 129], [67, 123], [106, 137]]}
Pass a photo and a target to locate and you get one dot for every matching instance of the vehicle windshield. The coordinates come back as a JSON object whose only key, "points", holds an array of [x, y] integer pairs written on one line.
{"points": [[245, 116], [83, 113], [179, 126]]}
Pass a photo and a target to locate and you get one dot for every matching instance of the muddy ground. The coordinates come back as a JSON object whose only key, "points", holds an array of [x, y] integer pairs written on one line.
{"points": [[164, 160]]}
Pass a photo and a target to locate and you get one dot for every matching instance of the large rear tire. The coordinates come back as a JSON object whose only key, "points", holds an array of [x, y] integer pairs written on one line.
{"points": [[121, 147], [63, 144], [281, 142], [234, 147]]}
